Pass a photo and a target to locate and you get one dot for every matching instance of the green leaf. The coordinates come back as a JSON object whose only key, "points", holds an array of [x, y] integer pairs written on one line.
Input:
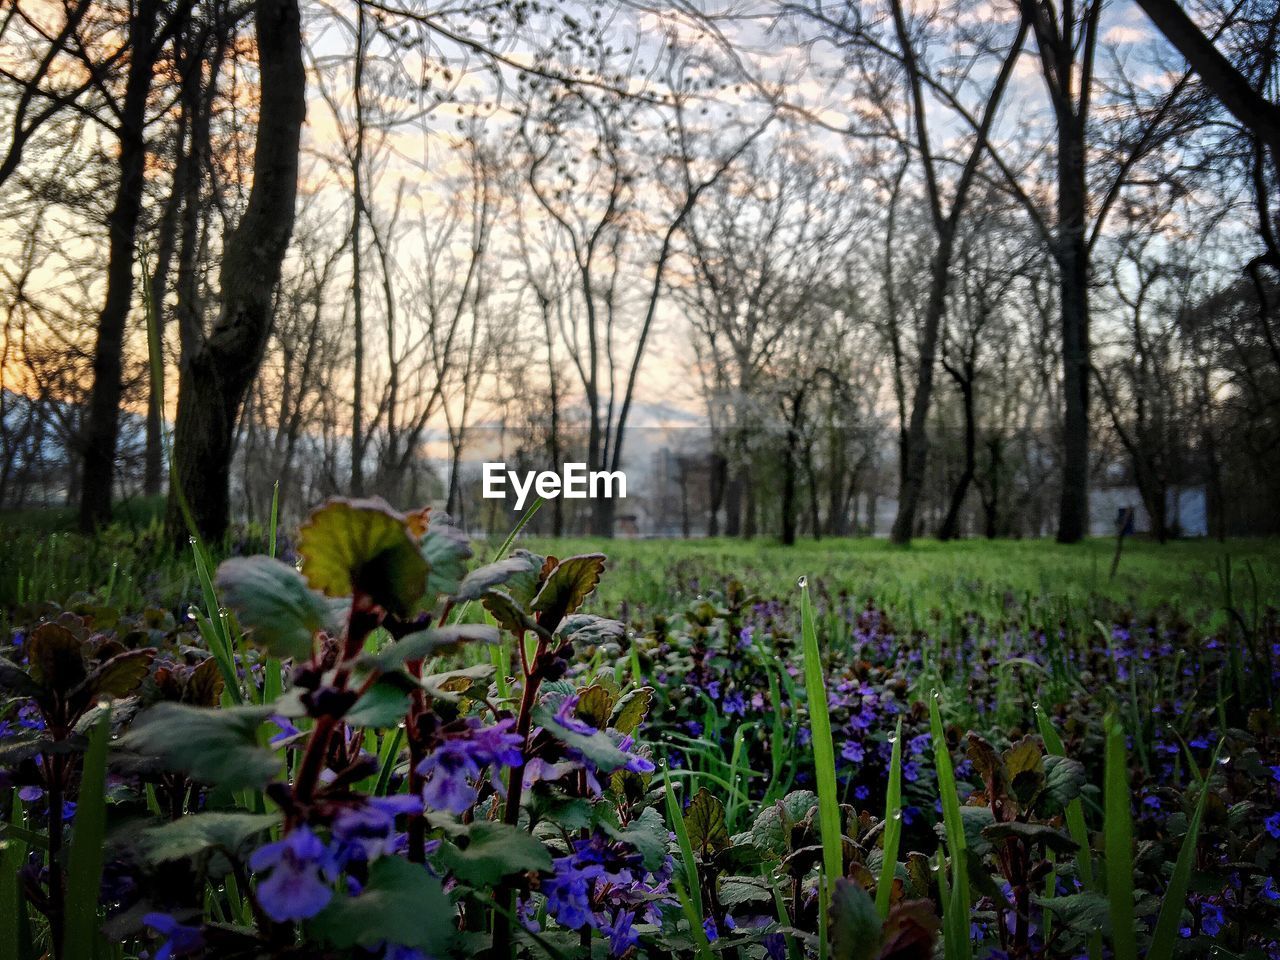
{"points": [[274, 605], [364, 546], [595, 706], [1063, 780], [191, 836], [629, 712], [402, 904], [854, 923], [483, 579], [509, 614], [596, 747], [567, 588], [647, 833], [214, 746], [493, 851], [16, 682], [120, 676], [446, 551], [431, 642], [55, 657], [1024, 769], [704, 821], [587, 628], [84, 869], [1031, 833], [383, 705]]}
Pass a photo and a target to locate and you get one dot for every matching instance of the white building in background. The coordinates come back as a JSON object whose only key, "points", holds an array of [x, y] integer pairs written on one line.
{"points": [[1186, 507]]}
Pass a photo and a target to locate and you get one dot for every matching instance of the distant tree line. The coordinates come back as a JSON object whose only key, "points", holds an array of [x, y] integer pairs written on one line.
{"points": [[968, 259]]}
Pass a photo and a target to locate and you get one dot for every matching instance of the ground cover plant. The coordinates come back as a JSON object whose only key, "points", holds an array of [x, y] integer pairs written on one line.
{"points": [[375, 739]]}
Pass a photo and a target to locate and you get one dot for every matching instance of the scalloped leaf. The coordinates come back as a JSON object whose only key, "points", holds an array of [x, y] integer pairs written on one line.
{"points": [[483, 579], [494, 851], [855, 924], [567, 588], [446, 551], [214, 746], [402, 903], [194, 834], [363, 546], [704, 822], [629, 712], [274, 605]]}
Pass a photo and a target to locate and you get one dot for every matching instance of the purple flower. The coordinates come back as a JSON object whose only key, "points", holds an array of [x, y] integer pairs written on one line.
{"points": [[621, 932], [710, 929], [1269, 892], [1272, 823], [1211, 919], [463, 757], [30, 794], [568, 892], [178, 937], [853, 751], [734, 704], [861, 792], [368, 830], [294, 890], [394, 951]]}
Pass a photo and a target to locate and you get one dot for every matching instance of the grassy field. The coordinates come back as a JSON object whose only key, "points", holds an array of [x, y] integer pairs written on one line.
{"points": [[786, 696], [979, 575], [41, 558]]}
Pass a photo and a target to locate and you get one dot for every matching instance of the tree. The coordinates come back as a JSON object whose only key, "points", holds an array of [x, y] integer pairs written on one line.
{"points": [[213, 385], [122, 224]]}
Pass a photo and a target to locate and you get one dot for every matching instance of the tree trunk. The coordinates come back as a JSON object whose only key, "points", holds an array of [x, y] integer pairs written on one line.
{"points": [[951, 525], [212, 390], [1073, 257], [917, 442], [122, 224]]}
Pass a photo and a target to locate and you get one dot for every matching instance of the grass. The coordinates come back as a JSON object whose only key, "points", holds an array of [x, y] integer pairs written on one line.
{"points": [[980, 575]]}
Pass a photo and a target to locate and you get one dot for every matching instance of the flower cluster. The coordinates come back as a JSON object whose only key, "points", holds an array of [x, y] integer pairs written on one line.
{"points": [[602, 884], [468, 749]]}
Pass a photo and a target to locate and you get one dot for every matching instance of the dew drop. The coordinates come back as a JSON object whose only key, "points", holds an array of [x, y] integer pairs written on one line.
{"points": [[1035, 705], [802, 582], [1224, 758], [192, 612], [897, 815]]}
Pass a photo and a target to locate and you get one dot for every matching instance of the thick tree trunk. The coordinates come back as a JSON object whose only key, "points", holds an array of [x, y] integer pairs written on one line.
{"points": [[108, 358], [212, 389], [1073, 257]]}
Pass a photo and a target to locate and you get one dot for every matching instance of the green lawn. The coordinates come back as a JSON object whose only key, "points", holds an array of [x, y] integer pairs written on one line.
{"points": [[128, 566], [986, 576]]}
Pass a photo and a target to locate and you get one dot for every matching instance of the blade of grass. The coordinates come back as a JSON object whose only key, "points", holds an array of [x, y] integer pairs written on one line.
{"points": [[1117, 828], [824, 755], [13, 854], [691, 900], [275, 520], [1075, 823], [1175, 895], [1075, 809], [892, 825], [955, 921], [84, 866]]}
